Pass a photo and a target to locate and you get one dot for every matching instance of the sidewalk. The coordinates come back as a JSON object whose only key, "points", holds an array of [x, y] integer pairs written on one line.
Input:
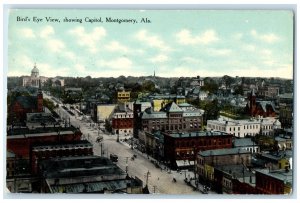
{"points": [[200, 187]]}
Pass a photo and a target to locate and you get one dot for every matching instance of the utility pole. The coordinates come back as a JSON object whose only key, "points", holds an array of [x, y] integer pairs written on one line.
{"points": [[126, 169], [147, 177], [154, 187]]}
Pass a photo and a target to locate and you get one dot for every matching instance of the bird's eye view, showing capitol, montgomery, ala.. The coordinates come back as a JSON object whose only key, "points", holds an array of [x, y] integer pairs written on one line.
{"points": [[193, 102]]}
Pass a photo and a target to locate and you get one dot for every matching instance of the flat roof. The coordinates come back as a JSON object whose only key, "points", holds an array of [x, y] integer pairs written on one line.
{"points": [[241, 142], [90, 187], [221, 152], [235, 170], [73, 144], [41, 131], [197, 134], [68, 167], [281, 174]]}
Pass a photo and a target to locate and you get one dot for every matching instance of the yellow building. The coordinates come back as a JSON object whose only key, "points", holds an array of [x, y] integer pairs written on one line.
{"points": [[159, 101], [209, 172], [123, 96]]}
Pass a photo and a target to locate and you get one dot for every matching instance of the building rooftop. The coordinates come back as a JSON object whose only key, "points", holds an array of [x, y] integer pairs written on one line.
{"points": [[286, 96], [91, 187], [79, 166], [150, 114], [73, 89], [172, 108], [26, 132], [157, 135], [282, 174], [171, 96], [221, 152], [10, 154], [185, 105], [264, 105], [28, 102], [198, 134], [275, 156], [237, 171], [73, 144], [282, 139], [243, 142]]}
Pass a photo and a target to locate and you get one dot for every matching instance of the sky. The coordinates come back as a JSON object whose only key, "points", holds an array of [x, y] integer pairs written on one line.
{"points": [[175, 43]]}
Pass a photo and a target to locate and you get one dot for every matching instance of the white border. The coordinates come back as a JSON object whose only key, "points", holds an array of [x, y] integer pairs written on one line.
{"points": [[146, 4]]}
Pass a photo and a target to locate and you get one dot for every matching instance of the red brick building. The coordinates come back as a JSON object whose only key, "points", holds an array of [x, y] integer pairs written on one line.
{"points": [[122, 121], [26, 104], [55, 150], [20, 141], [260, 108], [185, 146], [274, 181]]}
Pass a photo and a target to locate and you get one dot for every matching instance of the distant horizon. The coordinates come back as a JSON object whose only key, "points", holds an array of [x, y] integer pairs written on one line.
{"points": [[157, 76], [106, 43]]}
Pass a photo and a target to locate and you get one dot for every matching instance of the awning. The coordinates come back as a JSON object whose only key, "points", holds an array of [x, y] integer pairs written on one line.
{"points": [[183, 163]]}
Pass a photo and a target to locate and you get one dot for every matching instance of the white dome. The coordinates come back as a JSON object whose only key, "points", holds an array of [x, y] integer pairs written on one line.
{"points": [[35, 71]]}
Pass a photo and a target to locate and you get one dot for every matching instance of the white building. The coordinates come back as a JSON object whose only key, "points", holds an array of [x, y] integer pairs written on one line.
{"points": [[34, 79], [242, 128]]}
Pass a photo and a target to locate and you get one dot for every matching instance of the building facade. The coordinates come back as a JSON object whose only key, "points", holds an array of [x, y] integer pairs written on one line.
{"points": [[34, 79], [219, 157], [122, 121], [160, 101], [260, 108], [274, 181], [172, 118], [22, 105], [179, 147], [123, 96], [242, 128]]}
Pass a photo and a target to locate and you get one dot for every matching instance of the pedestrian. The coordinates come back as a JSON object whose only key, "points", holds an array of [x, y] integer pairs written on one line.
{"points": [[157, 178]]}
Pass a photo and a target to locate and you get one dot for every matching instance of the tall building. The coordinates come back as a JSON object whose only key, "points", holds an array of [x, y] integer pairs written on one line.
{"points": [[35, 79], [123, 96]]}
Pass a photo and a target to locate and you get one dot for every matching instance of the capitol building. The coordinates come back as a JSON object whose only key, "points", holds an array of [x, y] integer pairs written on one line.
{"points": [[35, 78]]}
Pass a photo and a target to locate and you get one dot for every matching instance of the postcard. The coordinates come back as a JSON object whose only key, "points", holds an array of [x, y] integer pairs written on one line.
{"points": [[184, 102]]}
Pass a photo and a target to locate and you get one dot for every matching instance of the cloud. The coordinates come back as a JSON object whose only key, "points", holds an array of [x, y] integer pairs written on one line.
{"points": [[48, 70], [268, 38], [22, 66], [47, 31], [185, 37], [118, 63], [159, 58], [152, 40], [115, 46], [70, 55], [80, 68], [219, 52], [55, 45], [249, 47], [27, 33], [88, 39], [265, 52], [237, 36]]}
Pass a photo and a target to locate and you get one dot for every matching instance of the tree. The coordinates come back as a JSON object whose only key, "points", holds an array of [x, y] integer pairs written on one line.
{"points": [[227, 80], [210, 85], [108, 126], [148, 86]]}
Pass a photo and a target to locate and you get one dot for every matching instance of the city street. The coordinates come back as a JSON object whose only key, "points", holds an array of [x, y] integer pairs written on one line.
{"points": [[160, 180]]}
